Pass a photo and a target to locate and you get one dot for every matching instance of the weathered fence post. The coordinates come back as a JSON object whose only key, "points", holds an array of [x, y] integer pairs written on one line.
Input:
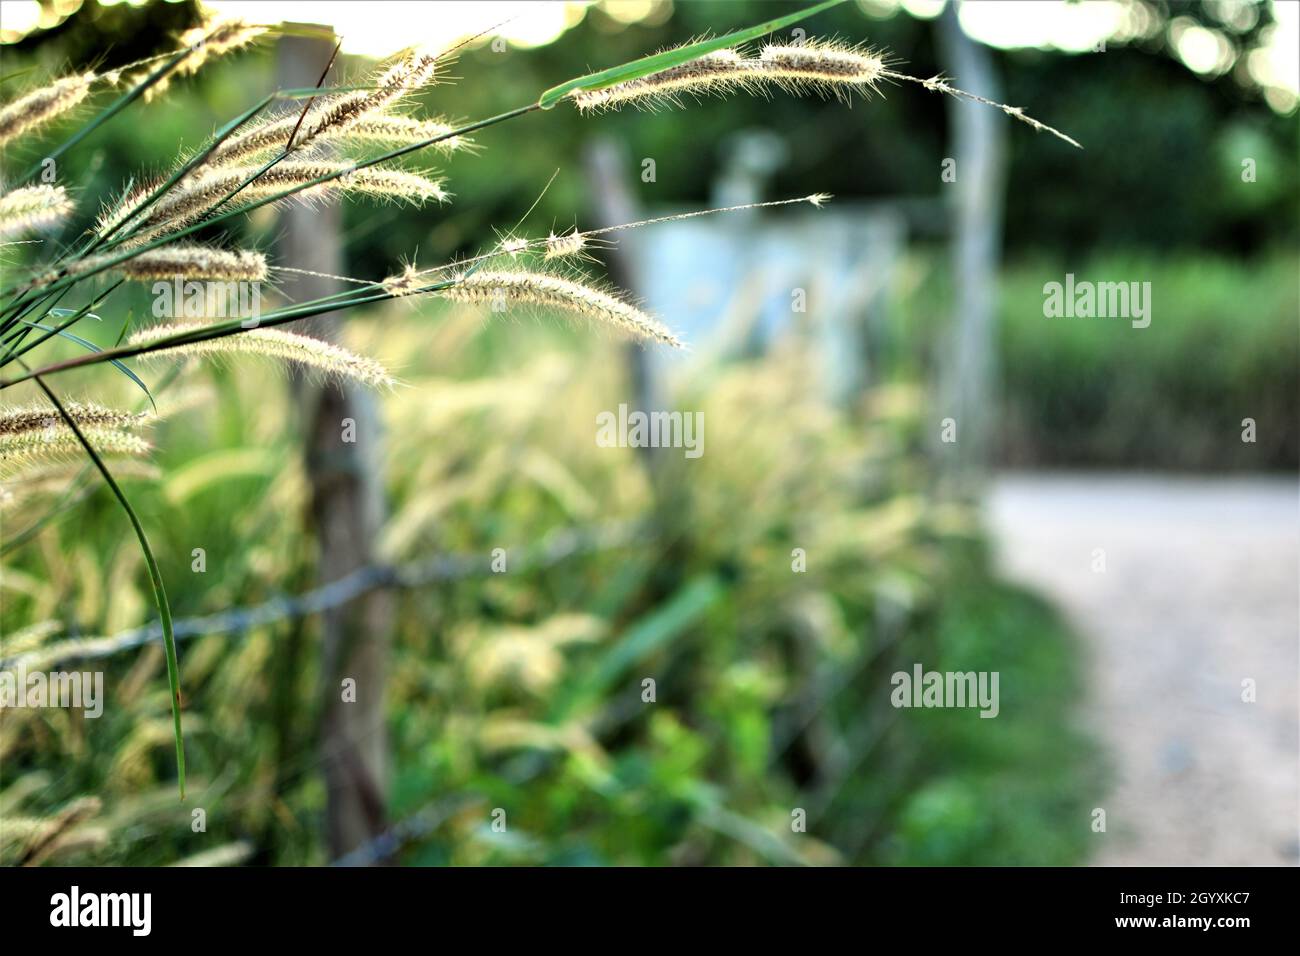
{"points": [[966, 390], [346, 510]]}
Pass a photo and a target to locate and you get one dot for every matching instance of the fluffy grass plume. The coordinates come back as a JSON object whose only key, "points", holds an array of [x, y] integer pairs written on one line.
{"points": [[500, 288], [191, 200], [821, 67], [826, 67], [338, 115], [32, 207], [187, 261], [331, 117], [40, 106], [213, 37], [721, 71], [405, 129], [332, 360], [565, 246], [339, 112], [16, 421], [37, 432]]}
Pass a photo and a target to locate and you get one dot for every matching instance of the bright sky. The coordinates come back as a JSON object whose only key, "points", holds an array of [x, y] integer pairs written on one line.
{"points": [[376, 27]]}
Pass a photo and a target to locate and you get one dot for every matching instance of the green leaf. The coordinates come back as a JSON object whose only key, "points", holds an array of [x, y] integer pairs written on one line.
{"points": [[644, 638], [670, 58]]}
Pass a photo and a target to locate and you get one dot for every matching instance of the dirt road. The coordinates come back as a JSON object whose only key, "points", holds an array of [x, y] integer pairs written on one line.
{"points": [[1200, 591]]}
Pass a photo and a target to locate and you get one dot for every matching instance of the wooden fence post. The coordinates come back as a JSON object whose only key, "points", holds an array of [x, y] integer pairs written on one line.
{"points": [[342, 455]]}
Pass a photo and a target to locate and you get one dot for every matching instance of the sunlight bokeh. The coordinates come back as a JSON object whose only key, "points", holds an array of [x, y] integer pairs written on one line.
{"points": [[379, 27]]}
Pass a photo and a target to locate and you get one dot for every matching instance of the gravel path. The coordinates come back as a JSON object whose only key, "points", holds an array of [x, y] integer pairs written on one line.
{"points": [[1201, 590]]}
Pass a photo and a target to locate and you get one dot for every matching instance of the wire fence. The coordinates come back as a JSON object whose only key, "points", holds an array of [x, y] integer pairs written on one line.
{"points": [[555, 547]]}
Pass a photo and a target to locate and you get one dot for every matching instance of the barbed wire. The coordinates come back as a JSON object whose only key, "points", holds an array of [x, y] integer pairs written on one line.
{"points": [[399, 835], [554, 548]]}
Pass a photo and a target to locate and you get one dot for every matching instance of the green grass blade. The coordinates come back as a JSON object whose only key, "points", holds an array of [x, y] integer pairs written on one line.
{"points": [[670, 58], [69, 318], [92, 347], [155, 578], [644, 638]]}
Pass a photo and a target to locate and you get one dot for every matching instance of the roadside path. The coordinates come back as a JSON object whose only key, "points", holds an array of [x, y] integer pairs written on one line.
{"points": [[1201, 590]]}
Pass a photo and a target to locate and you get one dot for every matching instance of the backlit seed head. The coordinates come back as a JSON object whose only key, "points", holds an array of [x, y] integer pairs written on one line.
{"points": [[406, 282], [186, 261], [213, 38], [513, 246], [565, 246], [191, 199], [715, 72], [32, 207], [821, 67], [333, 361], [557, 292], [40, 106]]}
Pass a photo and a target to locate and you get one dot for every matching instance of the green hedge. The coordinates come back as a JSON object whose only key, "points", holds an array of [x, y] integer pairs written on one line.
{"points": [[1222, 346]]}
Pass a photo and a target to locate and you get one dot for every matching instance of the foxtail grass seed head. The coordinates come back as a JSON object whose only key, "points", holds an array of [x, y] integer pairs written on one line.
{"points": [[333, 361], [401, 130], [40, 106], [513, 246], [215, 38], [186, 261], [191, 199], [412, 71], [209, 39], [716, 72], [406, 282], [820, 66], [32, 207], [59, 442], [341, 112], [357, 117], [817, 66], [394, 184], [565, 246], [560, 293], [38, 432], [14, 421], [271, 137]]}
